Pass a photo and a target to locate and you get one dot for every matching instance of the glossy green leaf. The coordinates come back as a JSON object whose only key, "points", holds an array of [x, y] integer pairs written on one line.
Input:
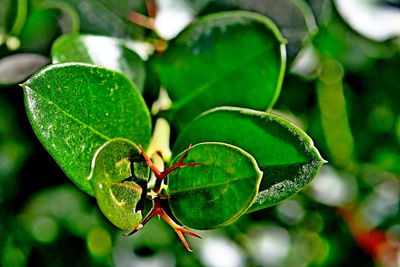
{"points": [[103, 51], [283, 152], [232, 58], [119, 177], [75, 108], [297, 22], [294, 19], [219, 191]]}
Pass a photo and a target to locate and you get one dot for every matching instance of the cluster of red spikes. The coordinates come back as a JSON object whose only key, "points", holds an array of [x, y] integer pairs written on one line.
{"points": [[157, 208]]}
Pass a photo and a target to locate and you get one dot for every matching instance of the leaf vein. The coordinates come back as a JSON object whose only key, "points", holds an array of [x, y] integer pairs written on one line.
{"points": [[208, 185], [135, 188], [72, 117]]}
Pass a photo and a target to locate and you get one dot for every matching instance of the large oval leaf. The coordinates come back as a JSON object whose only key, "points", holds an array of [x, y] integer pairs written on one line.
{"points": [[103, 51], [231, 58], [75, 108], [215, 193], [119, 177], [284, 152]]}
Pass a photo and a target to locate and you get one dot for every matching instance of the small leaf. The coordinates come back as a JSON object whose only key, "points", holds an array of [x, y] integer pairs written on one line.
{"points": [[117, 189], [283, 152], [219, 191], [231, 58], [75, 108], [103, 51]]}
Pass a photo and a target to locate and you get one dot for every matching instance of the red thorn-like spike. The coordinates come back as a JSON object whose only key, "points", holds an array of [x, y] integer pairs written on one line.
{"points": [[185, 154], [149, 163], [141, 20], [157, 208], [179, 230], [153, 212], [180, 164], [182, 238], [140, 226], [189, 232], [151, 8]]}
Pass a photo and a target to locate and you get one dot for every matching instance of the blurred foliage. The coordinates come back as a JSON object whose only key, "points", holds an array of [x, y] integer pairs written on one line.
{"points": [[340, 87]]}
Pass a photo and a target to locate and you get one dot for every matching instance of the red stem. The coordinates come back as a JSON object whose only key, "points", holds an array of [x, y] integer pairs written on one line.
{"points": [[157, 208]]}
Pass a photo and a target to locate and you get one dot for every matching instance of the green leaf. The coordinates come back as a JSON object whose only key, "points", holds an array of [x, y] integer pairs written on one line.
{"points": [[75, 108], [103, 17], [231, 58], [103, 51], [283, 152], [40, 30], [118, 190], [297, 22], [294, 18], [219, 191]]}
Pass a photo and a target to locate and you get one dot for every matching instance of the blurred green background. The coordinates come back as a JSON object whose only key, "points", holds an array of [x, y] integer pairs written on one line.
{"points": [[341, 86]]}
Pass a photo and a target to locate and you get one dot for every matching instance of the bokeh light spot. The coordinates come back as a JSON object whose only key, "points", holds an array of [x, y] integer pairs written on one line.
{"points": [[44, 229], [99, 242]]}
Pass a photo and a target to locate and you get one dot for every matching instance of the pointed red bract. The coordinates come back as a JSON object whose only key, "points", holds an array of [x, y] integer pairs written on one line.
{"points": [[157, 209]]}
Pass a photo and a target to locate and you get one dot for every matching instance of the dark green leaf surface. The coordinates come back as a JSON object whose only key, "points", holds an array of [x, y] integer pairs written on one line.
{"points": [[40, 30], [103, 51], [118, 190], [232, 58], [284, 152], [219, 191], [294, 18], [102, 17], [75, 108]]}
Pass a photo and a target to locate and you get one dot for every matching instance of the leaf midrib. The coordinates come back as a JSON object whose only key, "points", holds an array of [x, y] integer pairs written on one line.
{"points": [[133, 187], [208, 185], [50, 102]]}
